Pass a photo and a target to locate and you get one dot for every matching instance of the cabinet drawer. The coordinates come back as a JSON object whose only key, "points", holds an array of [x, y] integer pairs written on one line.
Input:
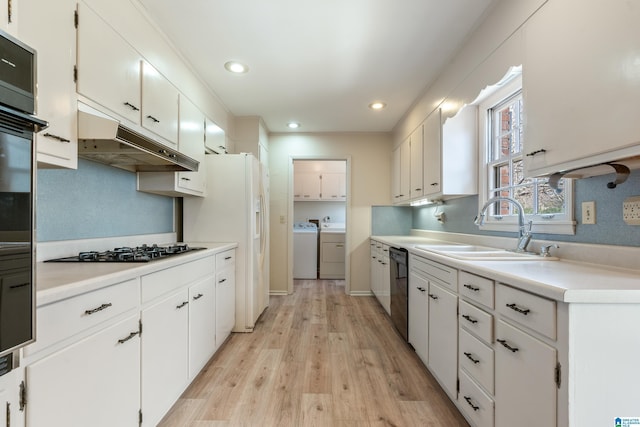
{"points": [[477, 359], [225, 259], [163, 281], [530, 310], [63, 319], [476, 288], [446, 275], [475, 403], [477, 321]]}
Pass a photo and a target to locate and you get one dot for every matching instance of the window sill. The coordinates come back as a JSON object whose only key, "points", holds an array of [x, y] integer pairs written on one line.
{"points": [[539, 227]]}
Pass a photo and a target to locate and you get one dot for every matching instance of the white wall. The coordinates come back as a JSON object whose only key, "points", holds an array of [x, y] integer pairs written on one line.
{"points": [[304, 211], [369, 177], [483, 60]]}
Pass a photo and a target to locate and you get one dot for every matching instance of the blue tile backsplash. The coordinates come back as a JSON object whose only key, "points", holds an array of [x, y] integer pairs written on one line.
{"points": [[610, 228], [97, 201]]}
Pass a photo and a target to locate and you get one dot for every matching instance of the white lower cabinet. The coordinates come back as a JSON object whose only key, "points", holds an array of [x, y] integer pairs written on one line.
{"points": [[202, 324], [121, 355], [225, 295], [380, 274], [94, 382], [419, 315], [164, 355], [443, 337], [10, 385], [475, 403], [525, 384]]}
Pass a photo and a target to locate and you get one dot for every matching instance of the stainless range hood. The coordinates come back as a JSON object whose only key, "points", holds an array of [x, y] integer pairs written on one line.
{"points": [[105, 140]]}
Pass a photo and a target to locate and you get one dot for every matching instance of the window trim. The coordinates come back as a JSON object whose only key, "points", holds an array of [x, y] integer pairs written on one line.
{"points": [[491, 97]]}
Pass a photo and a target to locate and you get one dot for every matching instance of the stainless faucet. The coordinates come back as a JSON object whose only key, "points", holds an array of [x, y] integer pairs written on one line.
{"points": [[524, 233]]}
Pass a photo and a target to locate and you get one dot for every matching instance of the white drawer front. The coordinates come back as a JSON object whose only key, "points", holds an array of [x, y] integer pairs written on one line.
{"points": [[477, 288], [477, 359], [164, 281], [477, 321], [446, 275], [530, 310], [225, 259], [478, 406], [63, 319]]}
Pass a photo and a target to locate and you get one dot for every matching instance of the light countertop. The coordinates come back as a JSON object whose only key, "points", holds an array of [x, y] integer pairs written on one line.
{"points": [[561, 280], [59, 280]]}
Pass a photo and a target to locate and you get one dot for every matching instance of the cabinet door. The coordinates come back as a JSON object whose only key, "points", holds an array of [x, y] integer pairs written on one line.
{"points": [[401, 172], [160, 106], [12, 415], [307, 186], [225, 303], [108, 67], [416, 159], [525, 388], [191, 143], [334, 187], [443, 337], [202, 324], [589, 97], [214, 138], [419, 315], [432, 154], [95, 382], [164, 355], [9, 16], [385, 280], [56, 101]]}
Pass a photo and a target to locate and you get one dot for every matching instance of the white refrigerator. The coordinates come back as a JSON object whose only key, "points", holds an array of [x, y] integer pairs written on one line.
{"points": [[235, 210]]}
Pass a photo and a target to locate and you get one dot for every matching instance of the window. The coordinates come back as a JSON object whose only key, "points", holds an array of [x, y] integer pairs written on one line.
{"points": [[503, 165]]}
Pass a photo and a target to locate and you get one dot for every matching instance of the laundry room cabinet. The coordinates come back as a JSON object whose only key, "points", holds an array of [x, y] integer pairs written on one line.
{"points": [[332, 253]]}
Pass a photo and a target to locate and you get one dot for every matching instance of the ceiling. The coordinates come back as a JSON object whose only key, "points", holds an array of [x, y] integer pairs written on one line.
{"points": [[319, 63]]}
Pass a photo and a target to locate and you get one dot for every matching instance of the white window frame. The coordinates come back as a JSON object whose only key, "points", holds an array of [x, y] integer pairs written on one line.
{"points": [[542, 224]]}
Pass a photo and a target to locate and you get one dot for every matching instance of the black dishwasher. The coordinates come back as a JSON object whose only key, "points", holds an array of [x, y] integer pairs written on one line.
{"points": [[399, 290]]}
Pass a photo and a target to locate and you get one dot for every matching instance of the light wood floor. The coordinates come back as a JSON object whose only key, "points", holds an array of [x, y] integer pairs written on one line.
{"points": [[316, 358]]}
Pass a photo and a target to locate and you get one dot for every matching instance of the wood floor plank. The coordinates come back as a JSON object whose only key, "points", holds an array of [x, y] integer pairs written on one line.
{"points": [[317, 357]]}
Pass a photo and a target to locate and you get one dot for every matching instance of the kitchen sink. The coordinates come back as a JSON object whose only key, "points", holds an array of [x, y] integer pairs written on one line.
{"points": [[482, 253]]}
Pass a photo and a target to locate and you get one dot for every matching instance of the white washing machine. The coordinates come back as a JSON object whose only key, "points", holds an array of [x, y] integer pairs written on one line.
{"points": [[305, 250]]}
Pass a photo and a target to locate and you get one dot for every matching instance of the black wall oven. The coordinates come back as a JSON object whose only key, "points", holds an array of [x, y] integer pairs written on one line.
{"points": [[17, 162]]}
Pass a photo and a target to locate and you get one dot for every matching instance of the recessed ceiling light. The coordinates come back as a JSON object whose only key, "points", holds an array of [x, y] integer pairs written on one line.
{"points": [[293, 125], [236, 67], [377, 105]]}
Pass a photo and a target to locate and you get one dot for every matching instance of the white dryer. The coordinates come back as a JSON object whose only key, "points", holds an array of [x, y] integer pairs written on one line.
{"points": [[305, 250]]}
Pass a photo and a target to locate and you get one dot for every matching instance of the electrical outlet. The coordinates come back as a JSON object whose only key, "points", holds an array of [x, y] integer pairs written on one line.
{"points": [[589, 212], [631, 210]]}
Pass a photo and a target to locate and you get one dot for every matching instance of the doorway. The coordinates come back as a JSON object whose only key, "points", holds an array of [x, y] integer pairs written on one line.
{"points": [[319, 202]]}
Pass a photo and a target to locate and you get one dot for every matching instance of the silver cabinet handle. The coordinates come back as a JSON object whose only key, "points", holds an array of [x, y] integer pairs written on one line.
{"points": [[197, 297], [97, 309], [523, 311], [56, 137], [182, 305], [133, 107], [127, 338], [507, 346]]}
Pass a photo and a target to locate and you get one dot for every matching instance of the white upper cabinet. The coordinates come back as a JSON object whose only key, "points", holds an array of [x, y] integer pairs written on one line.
{"points": [[416, 186], [9, 15], [401, 178], [214, 139], [56, 55], [322, 180], [431, 153], [191, 139], [459, 154], [160, 106], [108, 67], [192, 144], [581, 84], [334, 187]]}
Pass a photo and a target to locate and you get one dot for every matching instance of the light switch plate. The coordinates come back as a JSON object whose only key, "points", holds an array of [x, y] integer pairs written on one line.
{"points": [[589, 212]]}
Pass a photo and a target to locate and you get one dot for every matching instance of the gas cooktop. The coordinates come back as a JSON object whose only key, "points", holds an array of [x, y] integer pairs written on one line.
{"points": [[144, 253]]}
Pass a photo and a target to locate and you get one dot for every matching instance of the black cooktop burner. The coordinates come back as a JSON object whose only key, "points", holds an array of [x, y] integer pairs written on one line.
{"points": [[142, 253]]}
